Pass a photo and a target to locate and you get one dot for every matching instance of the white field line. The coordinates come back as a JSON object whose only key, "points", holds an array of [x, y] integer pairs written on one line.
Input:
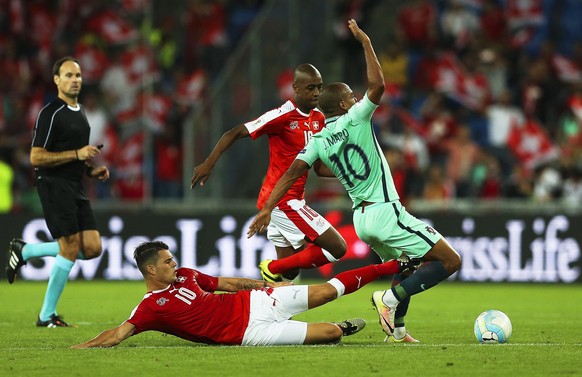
{"points": [[440, 345]]}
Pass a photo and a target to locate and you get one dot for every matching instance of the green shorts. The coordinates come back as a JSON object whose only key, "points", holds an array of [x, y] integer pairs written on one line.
{"points": [[391, 231]]}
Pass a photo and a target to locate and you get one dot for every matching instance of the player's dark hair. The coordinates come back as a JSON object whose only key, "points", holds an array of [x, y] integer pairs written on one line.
{"points": [[146, 253], [330, 97], [59, 63]]}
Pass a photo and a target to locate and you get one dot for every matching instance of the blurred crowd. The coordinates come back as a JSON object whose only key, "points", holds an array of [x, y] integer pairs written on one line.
{"points": [[483, 97], [146, 65]]}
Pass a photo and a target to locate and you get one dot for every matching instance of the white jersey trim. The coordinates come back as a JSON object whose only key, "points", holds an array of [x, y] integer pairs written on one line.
{"points": [[261, 121]]}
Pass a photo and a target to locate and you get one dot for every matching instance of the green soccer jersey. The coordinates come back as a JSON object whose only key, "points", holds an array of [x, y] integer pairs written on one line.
{"points": [[348, 146]]}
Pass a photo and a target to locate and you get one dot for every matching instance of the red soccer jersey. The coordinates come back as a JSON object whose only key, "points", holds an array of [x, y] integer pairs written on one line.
{"points": [[289, 130], [191, 310]]}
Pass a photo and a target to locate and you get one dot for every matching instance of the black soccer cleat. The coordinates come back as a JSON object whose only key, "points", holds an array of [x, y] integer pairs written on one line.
{"points": [[408, 265], [54, 321], [351, 326], [15, 260]]}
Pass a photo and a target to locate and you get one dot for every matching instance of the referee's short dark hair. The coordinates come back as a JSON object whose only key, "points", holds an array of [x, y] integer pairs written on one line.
{"points": [[58, 63]]}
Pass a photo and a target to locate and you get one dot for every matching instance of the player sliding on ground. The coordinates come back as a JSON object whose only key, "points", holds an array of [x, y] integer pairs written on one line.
{"points": [[183, 302], [348, 146]]}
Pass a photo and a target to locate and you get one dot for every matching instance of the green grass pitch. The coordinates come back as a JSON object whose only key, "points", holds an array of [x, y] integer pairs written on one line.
{"points": [[545, 342]]}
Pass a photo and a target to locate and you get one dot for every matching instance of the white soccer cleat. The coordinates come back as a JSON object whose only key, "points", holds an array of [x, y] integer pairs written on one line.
{"points": [[385, 312], [406, 339]]}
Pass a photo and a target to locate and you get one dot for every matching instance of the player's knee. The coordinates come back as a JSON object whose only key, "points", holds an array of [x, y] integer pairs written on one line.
{"points": [[290, 275], [340, 249], [329, 293], [321, 294], [92, 251], [331, 333], [453, 262], [457, 263], [335, 334]]}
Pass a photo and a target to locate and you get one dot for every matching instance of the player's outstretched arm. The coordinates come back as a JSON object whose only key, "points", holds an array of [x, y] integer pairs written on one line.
{"points": [[202, 172], [373, 68], [109, 338], [244, 284], [296, 170]]}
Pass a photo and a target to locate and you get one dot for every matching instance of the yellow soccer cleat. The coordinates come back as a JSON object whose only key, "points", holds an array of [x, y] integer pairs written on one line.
{"points": [[268, 275]]}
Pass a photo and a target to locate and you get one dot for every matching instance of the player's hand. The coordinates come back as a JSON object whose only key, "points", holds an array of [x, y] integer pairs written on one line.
{"points": [[87, 152], [357, 32], [100, 172], [200, 174], [259, 224]]}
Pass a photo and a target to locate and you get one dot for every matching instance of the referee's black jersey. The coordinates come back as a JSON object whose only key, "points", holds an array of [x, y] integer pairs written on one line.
{"points": [[58, 128]]}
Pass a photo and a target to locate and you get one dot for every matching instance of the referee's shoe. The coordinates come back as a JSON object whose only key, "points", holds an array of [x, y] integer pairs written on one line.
{"points": [[53, 321], [15, 260]]}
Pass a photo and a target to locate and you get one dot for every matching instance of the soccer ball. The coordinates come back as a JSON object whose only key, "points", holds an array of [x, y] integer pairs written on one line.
{"points": [[492, 326]]}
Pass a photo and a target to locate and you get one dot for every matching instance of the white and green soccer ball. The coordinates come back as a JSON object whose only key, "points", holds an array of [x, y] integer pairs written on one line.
{"points": [[492, 326]]}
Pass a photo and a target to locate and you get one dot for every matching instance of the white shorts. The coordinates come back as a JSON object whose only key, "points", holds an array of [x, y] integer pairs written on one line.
{"points": [[294, 221], [269, 322]]}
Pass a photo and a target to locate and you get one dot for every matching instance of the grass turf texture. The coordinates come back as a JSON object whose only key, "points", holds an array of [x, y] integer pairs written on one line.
{"points": [[545, 341]]}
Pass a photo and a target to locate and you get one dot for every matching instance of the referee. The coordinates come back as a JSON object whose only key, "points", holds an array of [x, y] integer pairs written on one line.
{"points": [[61, 156]]}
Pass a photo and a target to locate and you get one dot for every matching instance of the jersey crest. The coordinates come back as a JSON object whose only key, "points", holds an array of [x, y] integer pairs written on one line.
{"points": [[162, 301]]}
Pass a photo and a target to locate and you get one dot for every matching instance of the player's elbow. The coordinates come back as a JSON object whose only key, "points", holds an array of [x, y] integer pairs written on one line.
{"points": [[375, 91], [34, 159], [237, 132], [376, 86]]}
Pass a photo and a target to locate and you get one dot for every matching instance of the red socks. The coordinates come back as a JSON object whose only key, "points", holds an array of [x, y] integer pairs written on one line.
{"points": [[356, 279], [310, 257]]}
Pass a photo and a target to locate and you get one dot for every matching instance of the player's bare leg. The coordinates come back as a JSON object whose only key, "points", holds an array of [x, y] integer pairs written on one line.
{"points": [[90, 244], [321, 333]]}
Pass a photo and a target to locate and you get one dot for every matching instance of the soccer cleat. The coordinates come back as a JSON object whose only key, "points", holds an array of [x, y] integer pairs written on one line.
{"points": [[15, 260], [268, 275], [351, 326], [406, 339], [385, 313], [407, 264], [54, 321]]}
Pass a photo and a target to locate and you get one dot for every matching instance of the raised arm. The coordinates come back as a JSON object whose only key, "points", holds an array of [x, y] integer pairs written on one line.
{"points": [[202, 172], [296, 170], [109, 338], [373, 68]]}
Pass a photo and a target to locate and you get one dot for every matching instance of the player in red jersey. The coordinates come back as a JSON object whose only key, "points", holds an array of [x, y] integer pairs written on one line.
{"points": [[183, 302], [293, 222]]}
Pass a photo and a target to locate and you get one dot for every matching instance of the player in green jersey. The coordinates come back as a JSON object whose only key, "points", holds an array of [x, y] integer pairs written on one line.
{"points": [[347, 147]]}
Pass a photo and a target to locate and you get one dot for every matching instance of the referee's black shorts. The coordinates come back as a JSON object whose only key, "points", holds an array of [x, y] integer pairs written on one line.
{"points": [[65, 205]]}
